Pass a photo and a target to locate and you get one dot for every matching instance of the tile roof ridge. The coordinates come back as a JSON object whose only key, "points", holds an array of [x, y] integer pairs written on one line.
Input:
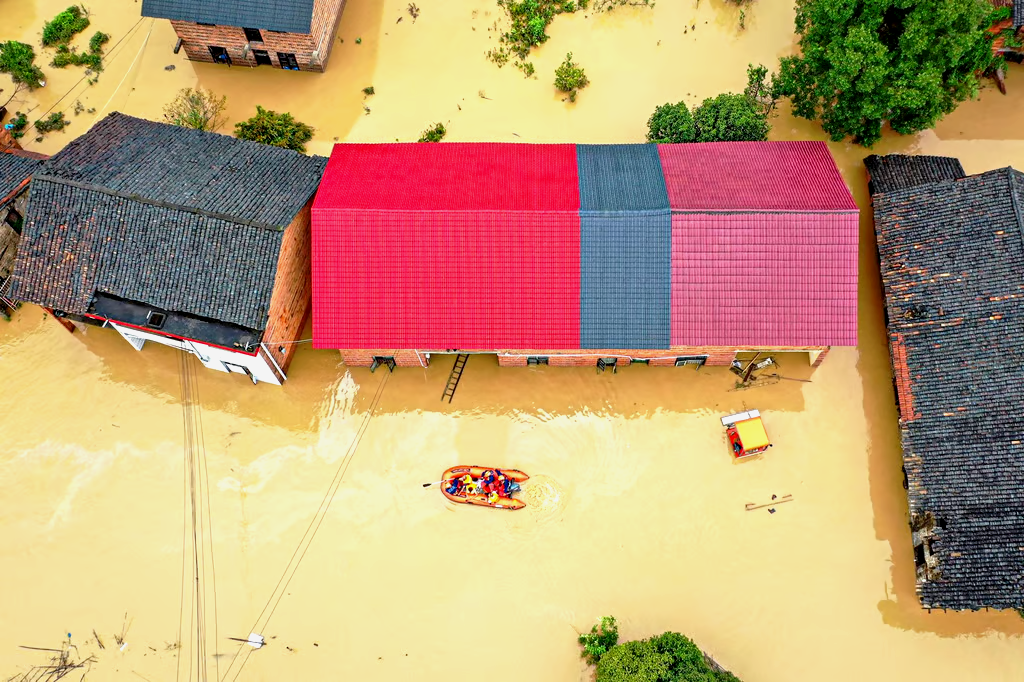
{"points": [[156, 202]]}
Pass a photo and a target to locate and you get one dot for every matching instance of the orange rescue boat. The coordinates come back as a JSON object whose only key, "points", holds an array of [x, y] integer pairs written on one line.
{"points": [[480, 498]]}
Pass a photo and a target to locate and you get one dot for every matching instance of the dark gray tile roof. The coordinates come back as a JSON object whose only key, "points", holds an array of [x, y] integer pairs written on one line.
{"points": [[14, 170], [289, 16], [78, 242], [225, 177], [950, 259], [625, 247], [183, 220], [900, 171]]}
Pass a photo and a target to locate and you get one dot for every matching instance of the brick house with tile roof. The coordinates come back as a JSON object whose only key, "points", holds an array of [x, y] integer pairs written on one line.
{"points": [[573, 254], [288, 34], [191, 239], [950, 249]]}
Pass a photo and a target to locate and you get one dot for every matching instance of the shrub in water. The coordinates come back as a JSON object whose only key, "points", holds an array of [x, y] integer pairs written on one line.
{"points": [[671, 123], [599, 640], [65, 25], [277, 130], [434, 133], [569, 77], [16, 59]]}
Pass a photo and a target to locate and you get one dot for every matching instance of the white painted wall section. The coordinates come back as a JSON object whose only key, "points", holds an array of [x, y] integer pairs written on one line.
{"points": [[255, 367]]}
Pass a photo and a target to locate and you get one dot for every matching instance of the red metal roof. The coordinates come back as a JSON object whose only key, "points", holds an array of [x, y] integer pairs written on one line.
{"points": [[443, 246], [764, 279], [765, 176]]}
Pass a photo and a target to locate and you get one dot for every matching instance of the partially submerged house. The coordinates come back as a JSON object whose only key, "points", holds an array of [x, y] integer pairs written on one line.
{"points": [[567, 254], [191, 239], [287, 34], [1008, 36], [951, 248], [16, 168]]}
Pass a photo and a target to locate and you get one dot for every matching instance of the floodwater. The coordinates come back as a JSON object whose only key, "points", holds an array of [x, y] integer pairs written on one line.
{"points": [[635, 507]]}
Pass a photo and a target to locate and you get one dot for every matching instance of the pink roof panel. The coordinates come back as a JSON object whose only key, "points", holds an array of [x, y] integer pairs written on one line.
{"points": [[753, 176], [773, 279]]}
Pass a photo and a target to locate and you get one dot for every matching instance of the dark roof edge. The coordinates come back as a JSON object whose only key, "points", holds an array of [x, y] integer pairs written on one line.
{"points": [[163, 204]]}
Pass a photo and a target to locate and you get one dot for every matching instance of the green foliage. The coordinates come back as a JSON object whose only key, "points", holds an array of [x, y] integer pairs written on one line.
{"points": [[17, 59], [599, 640], [894, 61], [569, 77], [197, 109], [63, 27], [54, 121], [637, 661], [529, 23], [669, 657], [277, 130], [730, 118], [671, 123], [68, 55], [18, 125], [98, 40], [434, 133]]}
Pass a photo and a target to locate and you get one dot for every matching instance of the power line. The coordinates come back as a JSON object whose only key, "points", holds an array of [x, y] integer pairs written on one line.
{"points": [[311, 530], [110, 59]]}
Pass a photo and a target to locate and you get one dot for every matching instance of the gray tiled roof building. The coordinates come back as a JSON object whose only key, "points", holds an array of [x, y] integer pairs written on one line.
{"points": [[950, 251]]}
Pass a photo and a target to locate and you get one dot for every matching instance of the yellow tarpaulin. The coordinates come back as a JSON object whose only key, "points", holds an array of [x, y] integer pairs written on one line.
{"points": [[752, 434]]}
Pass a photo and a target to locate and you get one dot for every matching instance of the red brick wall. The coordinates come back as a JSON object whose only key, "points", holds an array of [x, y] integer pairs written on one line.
{"points": [[717, 356], [196, 39], [291, 299]]}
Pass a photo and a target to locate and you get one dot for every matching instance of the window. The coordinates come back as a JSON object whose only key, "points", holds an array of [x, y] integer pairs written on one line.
{"points": [[220, 55], [386, 360], [253, 35], [287, 61], [155, 320], [534, 360], [685, 360], [15, 220]]}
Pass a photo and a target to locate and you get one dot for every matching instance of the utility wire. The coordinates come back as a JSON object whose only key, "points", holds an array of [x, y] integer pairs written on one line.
{"points": [[110, 59], [307, 537]]}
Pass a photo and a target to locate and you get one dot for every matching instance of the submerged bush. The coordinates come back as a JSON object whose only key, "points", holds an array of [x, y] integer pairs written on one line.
{"points": [[730, 118], [434, 133], [671, 123], [17, 59], [599, 640], [277, 130], [197, 109], [570, 78], [63, 27]]}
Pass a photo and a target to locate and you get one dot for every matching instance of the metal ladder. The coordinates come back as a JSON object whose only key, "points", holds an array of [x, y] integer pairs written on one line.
{"points": [[453, 379]]}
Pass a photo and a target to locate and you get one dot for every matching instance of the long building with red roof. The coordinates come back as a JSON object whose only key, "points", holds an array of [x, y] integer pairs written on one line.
{"points": [[569, 254]]}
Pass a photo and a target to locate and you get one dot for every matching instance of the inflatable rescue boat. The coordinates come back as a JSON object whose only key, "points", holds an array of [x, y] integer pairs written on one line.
{"points": [[453, 480]]}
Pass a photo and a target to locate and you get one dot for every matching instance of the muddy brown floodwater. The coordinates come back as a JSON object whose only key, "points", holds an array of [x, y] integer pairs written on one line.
{"points": [[635, 507]]}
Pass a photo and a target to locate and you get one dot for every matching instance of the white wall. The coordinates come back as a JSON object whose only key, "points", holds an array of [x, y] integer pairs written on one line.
{"points": [[210, 356]]}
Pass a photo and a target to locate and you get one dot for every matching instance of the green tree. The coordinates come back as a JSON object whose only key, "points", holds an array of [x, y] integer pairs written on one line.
{"points": [[277, 130], [16, 59], [636, 661], [569, 77], [599, 640], [671, 123], [197, 109], [730, 118], [63, 27], [866, 63]]}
